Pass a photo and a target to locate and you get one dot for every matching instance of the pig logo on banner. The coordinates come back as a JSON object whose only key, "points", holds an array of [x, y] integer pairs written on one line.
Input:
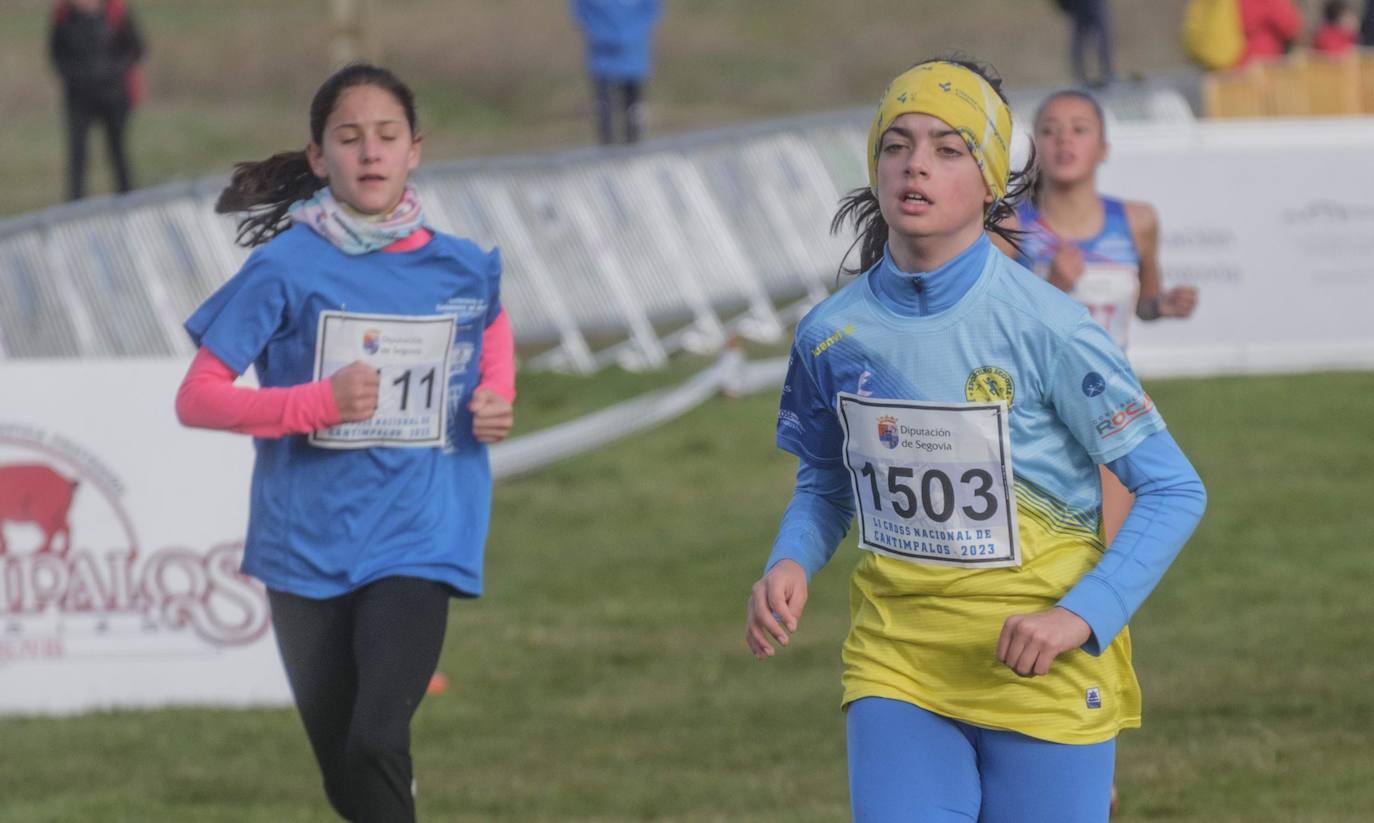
{"points": [[74, 580], [37, 494]]}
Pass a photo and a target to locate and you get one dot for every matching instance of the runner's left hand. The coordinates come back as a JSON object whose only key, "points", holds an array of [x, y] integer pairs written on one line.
{"points": [[1030, 642], [492, 416]]}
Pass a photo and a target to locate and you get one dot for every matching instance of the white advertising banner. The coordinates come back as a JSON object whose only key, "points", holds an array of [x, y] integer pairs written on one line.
{"points": [[120, 539], [1273, 222]]}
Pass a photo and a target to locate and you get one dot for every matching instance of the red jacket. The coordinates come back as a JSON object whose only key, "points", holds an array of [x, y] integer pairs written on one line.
{"points": [[1269, 26], [1331, 39]]}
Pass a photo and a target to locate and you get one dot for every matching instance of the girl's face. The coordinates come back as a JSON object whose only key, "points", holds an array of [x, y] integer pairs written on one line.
{"points": [[930, 190], [1068, 138], [368, 151]]}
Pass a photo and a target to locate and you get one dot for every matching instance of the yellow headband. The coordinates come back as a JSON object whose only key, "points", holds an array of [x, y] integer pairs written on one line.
{"points": [[961, 98]]}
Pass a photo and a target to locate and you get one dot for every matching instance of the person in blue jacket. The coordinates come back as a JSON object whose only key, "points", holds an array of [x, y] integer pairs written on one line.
{"points": [[619, 36]]}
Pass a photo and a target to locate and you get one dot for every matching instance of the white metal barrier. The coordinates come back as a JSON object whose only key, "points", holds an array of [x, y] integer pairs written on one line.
{"points": [[677, 244], [674, 244], [627, 255]]}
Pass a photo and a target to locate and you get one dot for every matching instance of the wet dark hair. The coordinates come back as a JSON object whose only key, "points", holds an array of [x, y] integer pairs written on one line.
{"points": [[861, 208], [267, 188], [1072, 94]]}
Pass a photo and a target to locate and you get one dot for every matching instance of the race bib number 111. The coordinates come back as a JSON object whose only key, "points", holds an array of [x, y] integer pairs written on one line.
{"points": [[932, 481], [411, 355]]}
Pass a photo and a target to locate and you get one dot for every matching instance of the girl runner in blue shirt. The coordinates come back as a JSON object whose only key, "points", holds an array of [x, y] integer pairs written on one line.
{"points": [[371, 487]]}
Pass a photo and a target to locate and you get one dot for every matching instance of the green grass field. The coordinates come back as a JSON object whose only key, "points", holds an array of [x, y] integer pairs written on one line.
{"points": [[604, 676]]}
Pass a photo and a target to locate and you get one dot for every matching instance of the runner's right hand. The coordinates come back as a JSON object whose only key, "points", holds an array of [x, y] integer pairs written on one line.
{"points": [[355, 391], [775, 607]]}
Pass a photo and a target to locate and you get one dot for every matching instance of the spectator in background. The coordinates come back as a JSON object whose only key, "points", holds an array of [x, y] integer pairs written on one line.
{"points": [[95, 47], [1090, 22], [619, 35], [1367, 26], [1270, 26], [1340, 31]]}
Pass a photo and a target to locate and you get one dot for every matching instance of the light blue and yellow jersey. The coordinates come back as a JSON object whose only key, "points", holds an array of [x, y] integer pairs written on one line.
{"points": [[924, 629]]}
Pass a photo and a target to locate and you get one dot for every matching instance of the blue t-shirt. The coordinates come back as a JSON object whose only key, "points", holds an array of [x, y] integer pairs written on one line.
{"points": [[323, 521]]}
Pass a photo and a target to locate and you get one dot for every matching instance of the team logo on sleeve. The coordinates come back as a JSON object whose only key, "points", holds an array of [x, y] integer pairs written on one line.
{"points": [[1119, 419], [987, 384], [887, 432], [1094, 384]]}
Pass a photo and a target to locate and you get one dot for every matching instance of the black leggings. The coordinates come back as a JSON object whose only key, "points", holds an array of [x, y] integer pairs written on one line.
{"points": [[358, 665]]}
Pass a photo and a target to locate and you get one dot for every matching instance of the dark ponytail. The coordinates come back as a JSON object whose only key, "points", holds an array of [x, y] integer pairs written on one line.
{"points": [[861, 208], [267, 188]]}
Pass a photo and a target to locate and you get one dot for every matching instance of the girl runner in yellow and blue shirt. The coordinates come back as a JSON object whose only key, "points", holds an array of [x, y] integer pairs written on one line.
{"points": [[958, 405]]}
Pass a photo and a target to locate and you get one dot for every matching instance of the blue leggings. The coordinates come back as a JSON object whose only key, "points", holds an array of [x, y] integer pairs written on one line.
{"points": [[908, 764]]}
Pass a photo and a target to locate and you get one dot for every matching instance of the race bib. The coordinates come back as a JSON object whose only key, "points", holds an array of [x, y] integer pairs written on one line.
{"points": [[932, 481], [411, 355], [1108, 291]]}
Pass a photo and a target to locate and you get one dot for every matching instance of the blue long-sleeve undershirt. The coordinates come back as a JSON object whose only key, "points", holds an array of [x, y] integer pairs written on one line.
{"points": [[1169, 501], [816, 520]]}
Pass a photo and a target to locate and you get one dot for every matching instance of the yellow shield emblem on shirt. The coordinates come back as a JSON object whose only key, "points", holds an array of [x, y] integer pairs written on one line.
{"points": [[987, 384]]}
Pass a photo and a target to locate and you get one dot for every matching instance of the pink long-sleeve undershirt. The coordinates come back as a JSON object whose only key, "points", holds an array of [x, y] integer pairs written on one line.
{"points": [[209, 399]]}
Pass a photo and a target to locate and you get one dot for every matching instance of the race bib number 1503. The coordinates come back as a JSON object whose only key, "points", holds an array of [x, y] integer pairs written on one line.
{"points": [[932, 481]]}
